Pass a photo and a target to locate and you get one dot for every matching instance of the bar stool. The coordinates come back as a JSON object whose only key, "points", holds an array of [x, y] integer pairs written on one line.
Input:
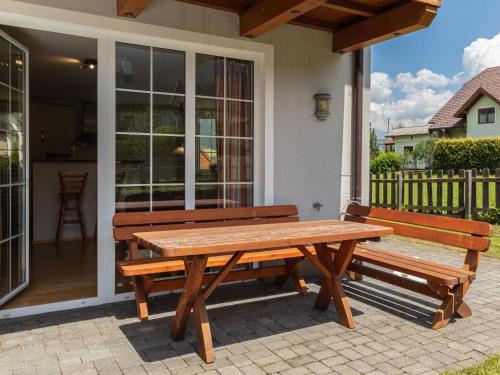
{"points": [[72, 187]]}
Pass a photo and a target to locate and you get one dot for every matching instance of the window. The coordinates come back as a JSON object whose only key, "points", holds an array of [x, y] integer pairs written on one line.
{"points": [[486, 115], [151, 167], [408, 149]]}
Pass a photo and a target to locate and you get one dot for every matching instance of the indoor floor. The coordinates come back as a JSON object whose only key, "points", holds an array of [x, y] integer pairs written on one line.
{"points": [[59, 273]]}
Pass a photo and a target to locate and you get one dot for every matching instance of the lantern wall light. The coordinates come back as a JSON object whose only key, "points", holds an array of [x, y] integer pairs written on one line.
{"points": [[322, 106]]}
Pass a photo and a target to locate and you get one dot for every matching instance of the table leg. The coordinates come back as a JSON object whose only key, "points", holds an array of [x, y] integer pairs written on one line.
{"points": [[332, 288], [195, 268], [200, 317]]}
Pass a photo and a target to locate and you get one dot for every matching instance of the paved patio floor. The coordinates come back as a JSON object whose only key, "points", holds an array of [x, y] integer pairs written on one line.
{"points": [[259, 328]]}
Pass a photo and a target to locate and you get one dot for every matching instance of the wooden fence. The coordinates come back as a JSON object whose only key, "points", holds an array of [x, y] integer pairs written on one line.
{"points": [[463, 193]]}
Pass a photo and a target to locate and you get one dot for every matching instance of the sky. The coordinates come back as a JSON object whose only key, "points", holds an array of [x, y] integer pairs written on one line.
{"points": [[414, 75]]}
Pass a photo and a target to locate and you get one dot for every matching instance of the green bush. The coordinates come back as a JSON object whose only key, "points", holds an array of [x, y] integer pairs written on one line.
{"points": [[386, 162], [467, 153]]}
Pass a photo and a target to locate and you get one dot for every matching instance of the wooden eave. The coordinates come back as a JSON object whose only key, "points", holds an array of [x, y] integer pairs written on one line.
{"points": [[480, 92], [354, 23]]}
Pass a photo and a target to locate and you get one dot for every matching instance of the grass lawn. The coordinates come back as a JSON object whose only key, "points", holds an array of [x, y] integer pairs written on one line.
{"points": [[494, 251], [490, 366]]}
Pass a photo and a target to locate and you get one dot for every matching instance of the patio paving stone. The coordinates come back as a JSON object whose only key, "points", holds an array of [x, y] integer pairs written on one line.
{"points": [[288, 336]]}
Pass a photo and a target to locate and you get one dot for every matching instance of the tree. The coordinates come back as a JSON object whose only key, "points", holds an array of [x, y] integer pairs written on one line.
{"points": [[424, 151], [374, 150]]}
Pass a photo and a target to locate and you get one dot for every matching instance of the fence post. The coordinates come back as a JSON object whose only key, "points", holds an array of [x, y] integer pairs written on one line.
{"points": [[399, 189], [468, 194]]}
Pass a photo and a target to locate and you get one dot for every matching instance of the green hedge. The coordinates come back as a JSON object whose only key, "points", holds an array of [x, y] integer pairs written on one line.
{"points": [[467, 153], [386, 162]]}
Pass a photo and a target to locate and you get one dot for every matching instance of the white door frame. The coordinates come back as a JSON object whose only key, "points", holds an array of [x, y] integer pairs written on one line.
{"points": [[106, 30]]}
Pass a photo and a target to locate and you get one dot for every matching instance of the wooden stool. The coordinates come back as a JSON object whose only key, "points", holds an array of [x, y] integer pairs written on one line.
{"points": [[72, 187]]}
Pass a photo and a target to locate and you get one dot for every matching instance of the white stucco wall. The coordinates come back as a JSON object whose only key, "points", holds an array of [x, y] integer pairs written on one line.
{"points": [[477, 130], [312, 159]]}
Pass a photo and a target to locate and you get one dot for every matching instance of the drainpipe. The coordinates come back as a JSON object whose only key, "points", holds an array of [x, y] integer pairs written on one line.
{"points": [[357, 127]]}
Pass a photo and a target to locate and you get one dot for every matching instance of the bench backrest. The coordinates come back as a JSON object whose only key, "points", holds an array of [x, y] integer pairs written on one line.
{"points": [[465, 234], [127, 223]]}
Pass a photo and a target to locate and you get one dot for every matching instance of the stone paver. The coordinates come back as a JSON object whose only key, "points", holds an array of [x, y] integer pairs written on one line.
{"points": [[259, 328]]}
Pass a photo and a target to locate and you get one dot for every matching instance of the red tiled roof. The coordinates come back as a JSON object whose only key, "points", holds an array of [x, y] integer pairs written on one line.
{"points": [[488, 80]]}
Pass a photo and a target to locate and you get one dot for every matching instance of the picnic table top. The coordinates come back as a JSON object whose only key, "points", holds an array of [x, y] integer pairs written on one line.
{"points": [[224, 240]]}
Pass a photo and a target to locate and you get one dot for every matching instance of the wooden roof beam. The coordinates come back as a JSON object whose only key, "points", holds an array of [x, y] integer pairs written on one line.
{"points": [[130, 8], [402, 20], [349, 7], [266, 15]]}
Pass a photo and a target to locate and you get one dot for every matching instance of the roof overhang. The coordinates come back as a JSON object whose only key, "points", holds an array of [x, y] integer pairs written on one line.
{"points": [[355, 24], [473, 99]]}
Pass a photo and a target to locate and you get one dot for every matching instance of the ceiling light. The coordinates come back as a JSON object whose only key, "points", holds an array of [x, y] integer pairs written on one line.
{"points": [[89, 64], [19, 62]]}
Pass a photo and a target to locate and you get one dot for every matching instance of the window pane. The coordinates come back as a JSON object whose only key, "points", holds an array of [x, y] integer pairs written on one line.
{"points": [[132, 112], [4, 61], [132, 159], [491, 115], [136, 198], [239, 196], [209, 196], [168, 159], [209, 163], [17, 210], [239, 79], [209, 117], [239, 160], [4, 269], [4, 213], [4, 107], [17, 68], [209, 75], [17, 166], [17, 263], [239, 119], [168, 71], [168, 198], [168, 114], [17, 111], [4, 167], [133, 67]]}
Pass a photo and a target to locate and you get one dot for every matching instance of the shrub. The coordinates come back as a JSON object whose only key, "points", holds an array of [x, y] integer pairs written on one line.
{"points": [[386, 162], [466, 153]]}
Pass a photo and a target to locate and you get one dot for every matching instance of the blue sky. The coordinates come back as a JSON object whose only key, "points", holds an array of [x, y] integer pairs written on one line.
{"points": [[424, 69]]}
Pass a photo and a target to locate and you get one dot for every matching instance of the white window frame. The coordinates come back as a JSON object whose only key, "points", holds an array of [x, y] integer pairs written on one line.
{"points": [[106, 31]]}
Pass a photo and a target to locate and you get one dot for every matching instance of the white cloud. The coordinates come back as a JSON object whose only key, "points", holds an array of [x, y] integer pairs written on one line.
{"points": [[412, 99]]}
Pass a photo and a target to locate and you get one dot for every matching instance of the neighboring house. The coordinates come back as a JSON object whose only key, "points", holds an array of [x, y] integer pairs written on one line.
{"points": [[406, 138], [474, 111], [252, 69]]}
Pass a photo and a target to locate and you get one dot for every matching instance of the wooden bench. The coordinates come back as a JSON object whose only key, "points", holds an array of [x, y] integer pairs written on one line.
{"points": [[147, 272], [447, 283]]}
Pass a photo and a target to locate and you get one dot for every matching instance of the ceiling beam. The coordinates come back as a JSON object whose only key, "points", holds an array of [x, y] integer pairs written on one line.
{"points": [[130, 8], [349, 7], [434, 3], [402, 20], [237, 6], [266, 15]]}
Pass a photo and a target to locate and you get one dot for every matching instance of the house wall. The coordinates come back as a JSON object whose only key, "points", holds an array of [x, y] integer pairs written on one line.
{"points": [[403, 141], [476, 130], [311, 157]]}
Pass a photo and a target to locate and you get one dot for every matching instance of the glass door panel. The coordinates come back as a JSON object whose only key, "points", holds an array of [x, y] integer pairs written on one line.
{"points": [[13, 254]]}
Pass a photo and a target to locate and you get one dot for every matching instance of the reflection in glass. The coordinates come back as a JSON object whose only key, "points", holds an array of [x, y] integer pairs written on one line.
{"points": [[17, 202], [4, 167], [132, 159], [239, 119], [239, 159], [16, 166], [209, 75], [209, 159], [168, 114], [4, 107], [4, 269], [209, 196], [133, 198], [4, 61], [209, 117], [132, 112], [239, 79], [168, 159], [169, 71], [168, 198], [4, 213], [17, 111], [17, 262], [133, 67], [17, 67], [239, 195]]}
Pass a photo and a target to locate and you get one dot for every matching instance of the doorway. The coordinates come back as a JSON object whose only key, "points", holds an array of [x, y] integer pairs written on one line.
{"points": [[61, 159]]}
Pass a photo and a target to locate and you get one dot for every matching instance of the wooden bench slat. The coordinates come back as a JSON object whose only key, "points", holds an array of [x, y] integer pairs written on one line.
{"points": [[433, 221], [442, 237], [212, 214]]}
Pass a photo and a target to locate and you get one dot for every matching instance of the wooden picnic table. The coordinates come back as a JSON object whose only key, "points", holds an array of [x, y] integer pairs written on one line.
{"points": [[195, 246]]}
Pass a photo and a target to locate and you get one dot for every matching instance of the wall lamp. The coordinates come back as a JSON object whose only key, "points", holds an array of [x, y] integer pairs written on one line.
{"points": [[322, 106]]}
